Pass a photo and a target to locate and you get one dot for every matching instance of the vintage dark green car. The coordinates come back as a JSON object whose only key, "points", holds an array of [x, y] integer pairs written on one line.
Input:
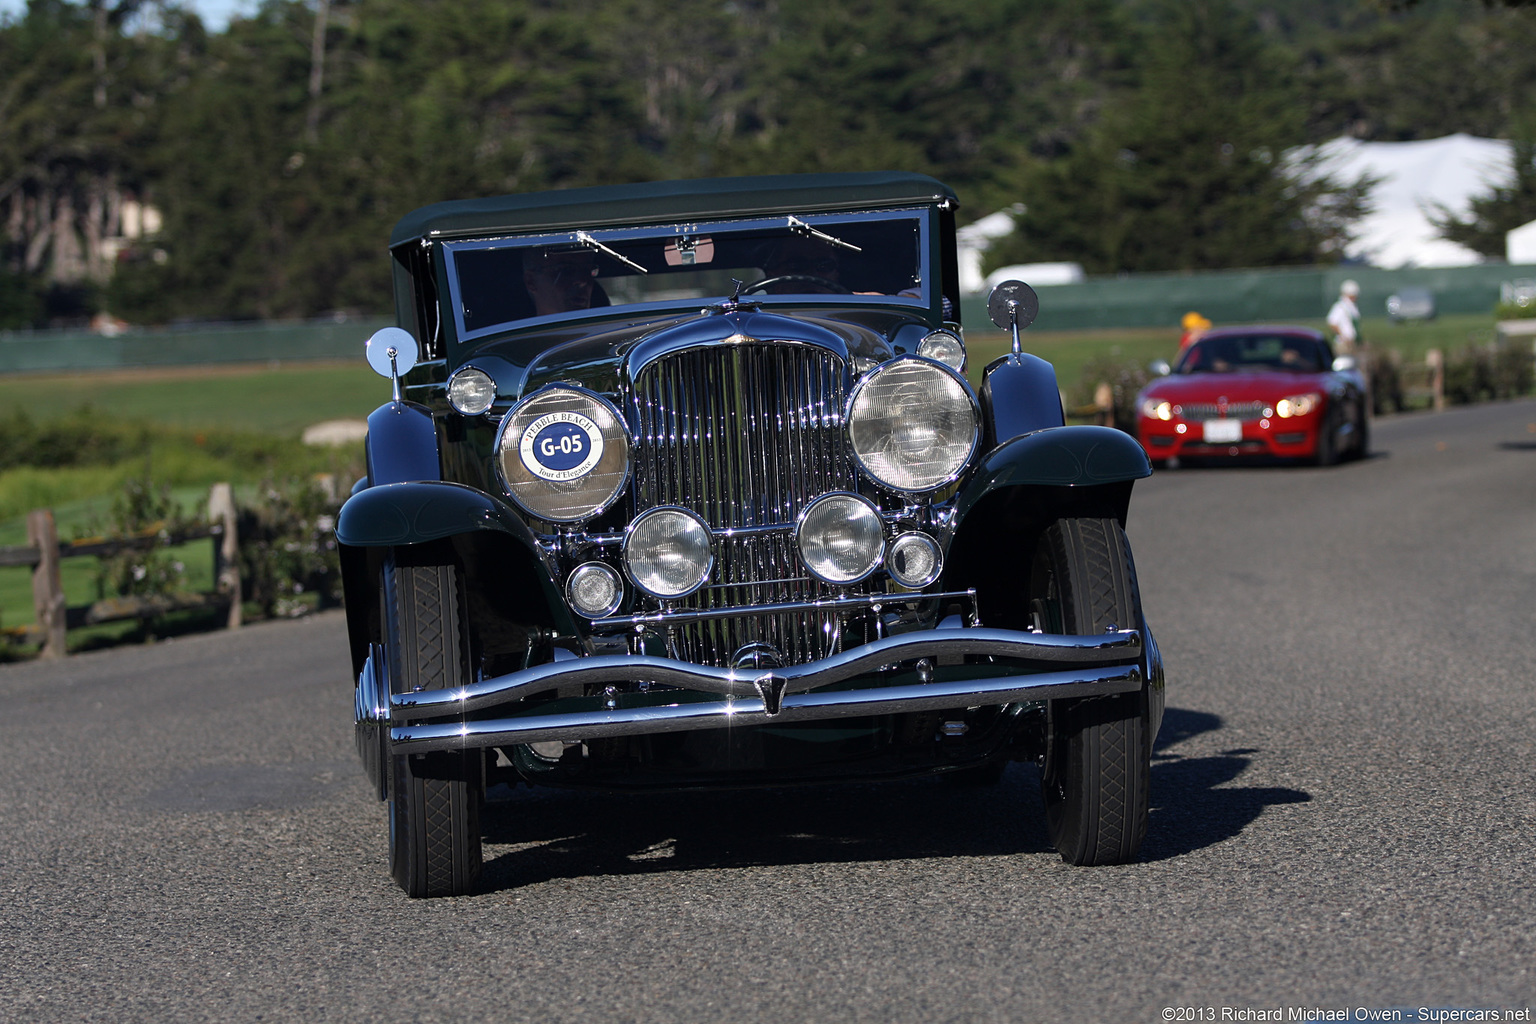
{"points": [[683, 485]]}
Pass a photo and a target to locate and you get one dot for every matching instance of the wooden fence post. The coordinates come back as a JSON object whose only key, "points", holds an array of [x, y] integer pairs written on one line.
{"points": [[1435, 360], [226, 553], [47, 585], [1104, 401]]}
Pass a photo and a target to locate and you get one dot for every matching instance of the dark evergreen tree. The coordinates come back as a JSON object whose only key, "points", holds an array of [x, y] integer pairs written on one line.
{"points": [[1500, 210], [1187, 171]]}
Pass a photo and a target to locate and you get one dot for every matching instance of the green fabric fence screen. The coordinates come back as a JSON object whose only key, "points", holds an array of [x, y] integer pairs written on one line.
{"points": [[1251, 296], [56, 350], [1141, 300]]}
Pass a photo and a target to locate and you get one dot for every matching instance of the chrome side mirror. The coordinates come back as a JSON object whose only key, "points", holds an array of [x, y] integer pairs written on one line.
{"points": [[1343, 363], [392, 352], [1013, 306], [1159, 368]]}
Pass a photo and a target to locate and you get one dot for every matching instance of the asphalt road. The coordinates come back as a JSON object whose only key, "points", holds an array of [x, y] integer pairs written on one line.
{"points": [[1343, 812]]}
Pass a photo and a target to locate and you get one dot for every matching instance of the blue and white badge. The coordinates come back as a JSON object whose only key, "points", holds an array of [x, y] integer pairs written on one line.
{"points": [[561, 446]]}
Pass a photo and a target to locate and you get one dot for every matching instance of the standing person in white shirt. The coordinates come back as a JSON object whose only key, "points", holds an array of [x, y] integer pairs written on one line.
{"points": [[1344, 318]]}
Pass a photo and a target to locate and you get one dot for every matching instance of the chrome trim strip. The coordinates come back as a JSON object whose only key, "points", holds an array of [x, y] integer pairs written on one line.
{"points": [[931, 696], [1030, 648], [861, 602]]}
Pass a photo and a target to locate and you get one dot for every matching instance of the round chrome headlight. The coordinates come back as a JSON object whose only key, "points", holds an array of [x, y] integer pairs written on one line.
{"points": [[913, 425], [563, 454], [944, 346], [471, 390], [914, 560], [668, 552], [594, 589], [841, 538]]}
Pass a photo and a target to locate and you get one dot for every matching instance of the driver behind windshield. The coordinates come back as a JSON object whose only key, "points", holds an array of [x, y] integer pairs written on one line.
{"points": [[559, 282], [803, 266]]}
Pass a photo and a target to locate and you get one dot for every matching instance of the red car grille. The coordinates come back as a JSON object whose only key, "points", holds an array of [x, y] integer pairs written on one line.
{"points": [[1198, 411]]}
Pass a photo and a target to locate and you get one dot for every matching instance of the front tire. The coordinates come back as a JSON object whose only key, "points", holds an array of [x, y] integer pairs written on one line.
{"points": [[434, 799], [1327, 442], [1097, 767]]}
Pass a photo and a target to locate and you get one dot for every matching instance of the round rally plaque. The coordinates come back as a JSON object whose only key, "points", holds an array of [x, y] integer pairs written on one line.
{"points": [[561, 446]]}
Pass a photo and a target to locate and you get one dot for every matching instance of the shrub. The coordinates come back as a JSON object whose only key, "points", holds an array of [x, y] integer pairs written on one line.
{"points": [[1384, 370], [288, 549], [1477, 373], [138, 507], [1125, 380]]}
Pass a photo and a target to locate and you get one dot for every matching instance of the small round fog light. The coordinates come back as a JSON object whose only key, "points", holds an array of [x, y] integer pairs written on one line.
{"points": [[914, 560], [841, 538], [668, 552], [594, 590], [471, 390]]}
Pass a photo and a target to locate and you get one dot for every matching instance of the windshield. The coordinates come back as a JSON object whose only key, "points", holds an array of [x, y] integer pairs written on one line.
{"points": [[498, 282], [1238, 353]]}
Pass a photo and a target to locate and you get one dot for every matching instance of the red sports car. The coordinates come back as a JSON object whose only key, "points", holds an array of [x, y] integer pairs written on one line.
{"points": [[1256, 391]]}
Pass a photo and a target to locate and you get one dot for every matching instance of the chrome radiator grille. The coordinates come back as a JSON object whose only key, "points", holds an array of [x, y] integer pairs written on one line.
{"points": [[745, 435], [1211, 411]]}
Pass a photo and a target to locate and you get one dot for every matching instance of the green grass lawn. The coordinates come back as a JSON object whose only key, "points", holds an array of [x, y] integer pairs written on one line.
{"points": [[281, 400]]}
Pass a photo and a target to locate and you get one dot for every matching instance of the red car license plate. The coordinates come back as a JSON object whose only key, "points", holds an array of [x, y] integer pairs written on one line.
{"points": [[1223, 431]]}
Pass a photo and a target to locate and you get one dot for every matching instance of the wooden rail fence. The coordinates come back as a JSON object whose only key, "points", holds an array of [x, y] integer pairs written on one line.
{"points": [[44, 552]]}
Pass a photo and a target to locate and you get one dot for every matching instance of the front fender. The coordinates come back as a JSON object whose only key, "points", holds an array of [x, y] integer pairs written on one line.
{"points": [[1077, 456], [1018, 396], [506, 573], [402, 444], [389, 515], [1012, 498]]}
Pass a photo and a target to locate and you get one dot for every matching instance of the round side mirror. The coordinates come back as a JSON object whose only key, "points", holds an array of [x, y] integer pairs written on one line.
{"points": [[1012, 298], [391, 342], [1343, 363], [1159, 367]]}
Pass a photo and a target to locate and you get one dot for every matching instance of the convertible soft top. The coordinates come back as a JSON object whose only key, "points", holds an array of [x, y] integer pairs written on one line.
{"points": [[660, 202]]}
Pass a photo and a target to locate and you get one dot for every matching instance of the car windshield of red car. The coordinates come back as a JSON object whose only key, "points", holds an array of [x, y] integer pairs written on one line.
{"points": [[1245, 353]]}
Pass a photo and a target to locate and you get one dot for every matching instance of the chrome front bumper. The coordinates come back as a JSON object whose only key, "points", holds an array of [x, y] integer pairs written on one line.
{"points": [[903, 673]]}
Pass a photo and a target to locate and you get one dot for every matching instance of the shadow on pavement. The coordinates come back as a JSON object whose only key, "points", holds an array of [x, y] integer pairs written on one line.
{"points": [[550, 833], [564, 834], [1192, 805]]}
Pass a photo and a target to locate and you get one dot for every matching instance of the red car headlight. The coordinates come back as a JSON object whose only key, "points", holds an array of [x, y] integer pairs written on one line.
{"points": [[1297, 405]]}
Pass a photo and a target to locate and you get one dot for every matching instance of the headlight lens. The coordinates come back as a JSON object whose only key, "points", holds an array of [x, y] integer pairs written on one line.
{"points": [[914, 560], [594, 589], [1297, 405], [471, 390], [667, 552], [913, 425], [944, 347], [841, 538], [1157, 409], [563, 454]]}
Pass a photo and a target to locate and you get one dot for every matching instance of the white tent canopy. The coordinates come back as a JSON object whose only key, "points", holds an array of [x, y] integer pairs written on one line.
{"points": [[1520, 244], [1415, 179]]}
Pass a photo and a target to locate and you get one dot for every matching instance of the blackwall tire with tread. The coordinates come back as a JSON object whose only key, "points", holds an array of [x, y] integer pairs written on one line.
{"points": [[434, 799], [1096, 771]]}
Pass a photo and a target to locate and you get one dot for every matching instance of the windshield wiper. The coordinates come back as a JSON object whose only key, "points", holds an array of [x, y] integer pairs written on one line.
{"points": [[800, 227], [592, 243]]}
